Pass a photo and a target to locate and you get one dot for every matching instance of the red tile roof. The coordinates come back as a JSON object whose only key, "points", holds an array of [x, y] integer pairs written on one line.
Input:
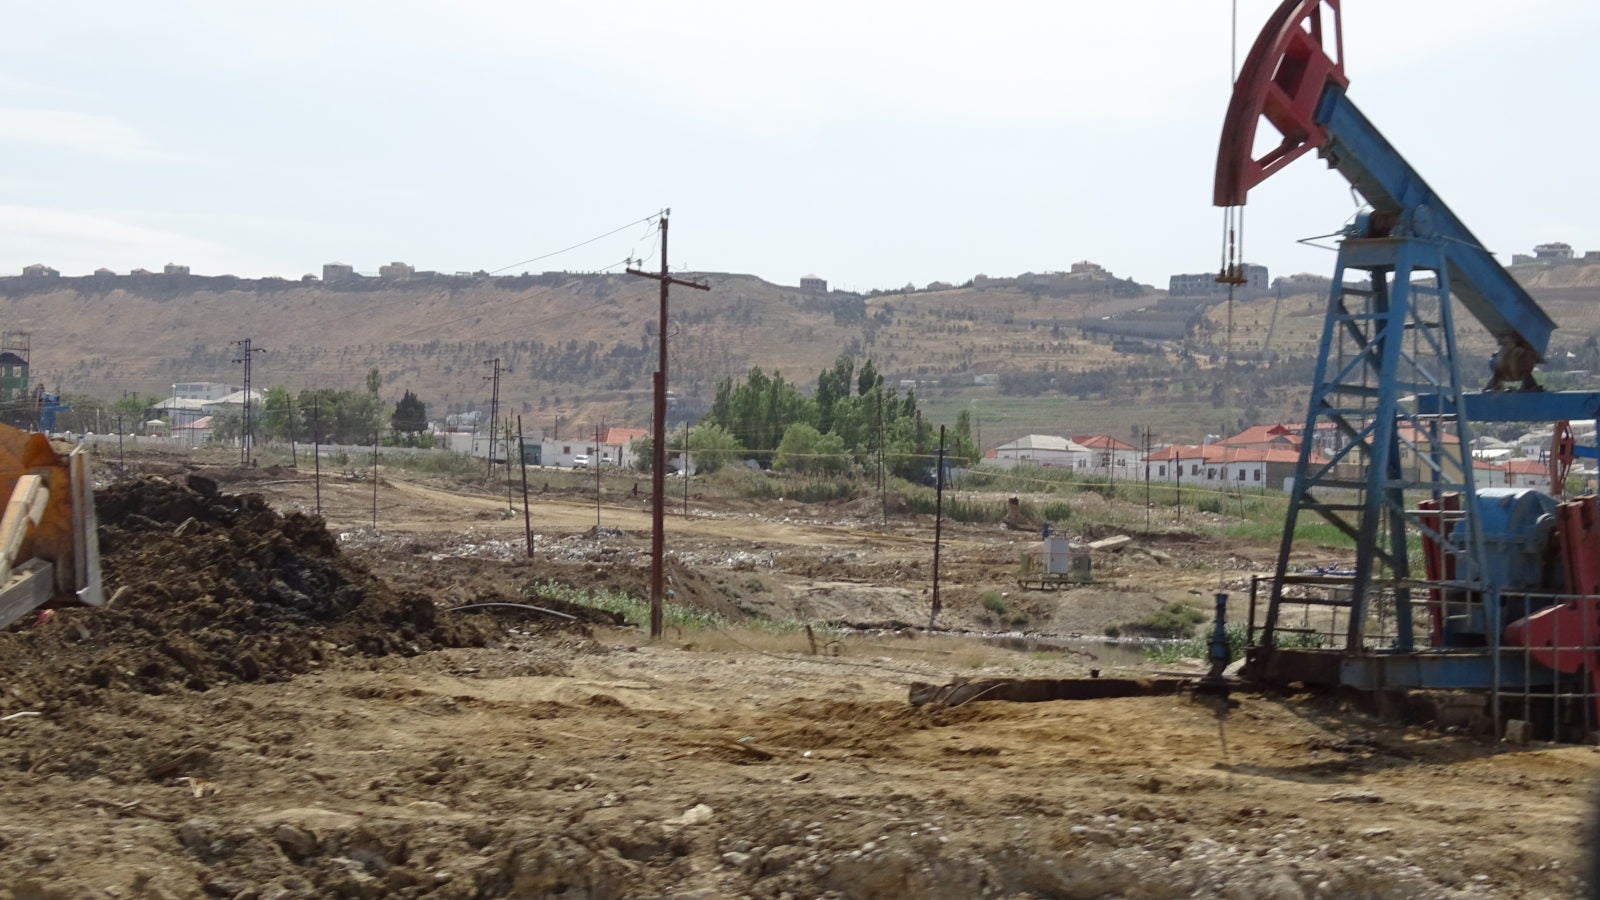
{"points": [[1101, 442], [1217, 454], [1526, 467], [1261, 434]]}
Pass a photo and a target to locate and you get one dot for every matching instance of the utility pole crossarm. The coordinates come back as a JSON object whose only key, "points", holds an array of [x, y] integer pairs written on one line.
{"points": [[668, 279]]}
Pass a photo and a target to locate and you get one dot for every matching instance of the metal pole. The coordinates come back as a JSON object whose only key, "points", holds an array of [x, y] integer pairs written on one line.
{"points": [[374, 481], [294, 461], [938, 527], [594, 463], [527, 517]]}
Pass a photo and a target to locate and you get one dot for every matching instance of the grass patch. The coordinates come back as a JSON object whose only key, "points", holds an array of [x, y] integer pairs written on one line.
{"points": [[438, 462], [1199, 646], [760, 486], [1175, 620], [959, 509], [636, 610], [992, 601]]}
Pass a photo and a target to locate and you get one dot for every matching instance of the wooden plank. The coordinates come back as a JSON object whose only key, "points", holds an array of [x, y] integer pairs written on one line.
{"points": [[31, 585], [85, 532]]}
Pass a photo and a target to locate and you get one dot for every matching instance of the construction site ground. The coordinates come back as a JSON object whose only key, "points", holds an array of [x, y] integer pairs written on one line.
{"points": [[270, 711]]}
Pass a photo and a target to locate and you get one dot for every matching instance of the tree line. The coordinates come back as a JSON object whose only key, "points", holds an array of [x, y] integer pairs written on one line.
{"points": [[320, 415], [852, 422]]}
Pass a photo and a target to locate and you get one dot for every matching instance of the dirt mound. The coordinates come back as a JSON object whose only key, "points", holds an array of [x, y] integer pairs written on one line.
{"points": [[211, 588]]}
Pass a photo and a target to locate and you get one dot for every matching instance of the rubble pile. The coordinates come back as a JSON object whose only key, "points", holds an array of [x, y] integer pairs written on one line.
{"points": [[210, 588]]}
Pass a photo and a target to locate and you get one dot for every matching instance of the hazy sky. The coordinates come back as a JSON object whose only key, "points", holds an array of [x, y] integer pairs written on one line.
{"points": [[872, 143]]}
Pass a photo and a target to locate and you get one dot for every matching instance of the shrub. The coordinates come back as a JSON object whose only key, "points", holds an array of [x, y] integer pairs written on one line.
{"points": [[1176, 620], [993, 602], [1058, 512]]}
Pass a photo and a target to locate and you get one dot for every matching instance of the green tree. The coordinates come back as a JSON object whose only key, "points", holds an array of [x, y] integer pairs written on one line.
{"points": [[410, 416], [868, 379], [276, 420], [962, 449], [712, 447], [758, 411], [358, 417], [132, 410], [317, 409], [226, 427], [832, 385], [806, 450], [341, 417], [640, 451]]}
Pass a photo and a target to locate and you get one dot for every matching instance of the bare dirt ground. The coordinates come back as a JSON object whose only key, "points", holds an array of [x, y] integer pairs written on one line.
{"points": [[269, 712]]}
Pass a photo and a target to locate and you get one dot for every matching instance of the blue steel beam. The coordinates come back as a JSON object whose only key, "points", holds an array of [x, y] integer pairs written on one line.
{"points": [[1387, 181], [1537, 406]]}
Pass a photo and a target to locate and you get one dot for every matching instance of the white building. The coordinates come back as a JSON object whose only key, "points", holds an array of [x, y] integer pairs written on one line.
{"points": [[181, 410], [1111, 456], [203, 390], [233, 401], [1041, 450]]}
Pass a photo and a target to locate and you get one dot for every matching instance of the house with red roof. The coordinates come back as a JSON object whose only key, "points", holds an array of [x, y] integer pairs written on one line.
{"points": [[1263, 436], [1111, 456], [1529, 473], [1213, 465], [615, 448], [1488, 474]]}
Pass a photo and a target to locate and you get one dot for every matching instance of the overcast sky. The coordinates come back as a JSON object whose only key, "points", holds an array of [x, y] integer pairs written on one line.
{"points": [[874, 144]]}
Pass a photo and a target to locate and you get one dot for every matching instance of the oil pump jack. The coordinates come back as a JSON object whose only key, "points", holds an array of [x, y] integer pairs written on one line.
{"points": [[1505, 603]]}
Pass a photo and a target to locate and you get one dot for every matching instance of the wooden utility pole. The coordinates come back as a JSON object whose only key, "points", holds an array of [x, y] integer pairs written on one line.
{"points": [[938, 528], [374, 481], [316, 448], [527, 517], [658, 443], [494, 409]]}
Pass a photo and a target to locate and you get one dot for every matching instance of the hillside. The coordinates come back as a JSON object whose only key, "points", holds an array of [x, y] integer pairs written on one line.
{"points": [[582, 347], [572, 342]]}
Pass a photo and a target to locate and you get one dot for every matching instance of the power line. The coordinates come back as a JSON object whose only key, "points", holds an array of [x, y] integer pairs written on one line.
{"points": [[577, 245]]}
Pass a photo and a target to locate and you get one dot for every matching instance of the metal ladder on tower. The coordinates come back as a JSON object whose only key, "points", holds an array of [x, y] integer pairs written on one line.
{"points": [[1382, 345]]}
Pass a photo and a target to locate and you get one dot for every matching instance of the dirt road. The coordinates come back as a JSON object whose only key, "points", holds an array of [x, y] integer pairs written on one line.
{"points": [[590, 763]]}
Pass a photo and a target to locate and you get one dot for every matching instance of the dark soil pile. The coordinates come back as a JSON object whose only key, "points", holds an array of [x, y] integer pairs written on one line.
{"points": [[211, 588]]}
